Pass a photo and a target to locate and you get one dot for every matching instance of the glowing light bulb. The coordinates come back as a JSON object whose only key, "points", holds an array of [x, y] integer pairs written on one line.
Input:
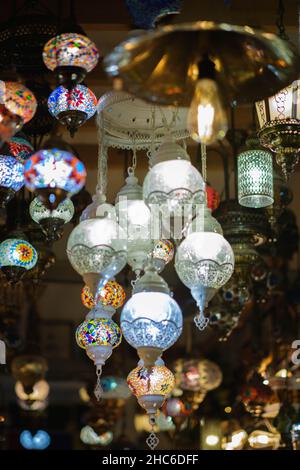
{"points": [[207, 121], [212, 440]]}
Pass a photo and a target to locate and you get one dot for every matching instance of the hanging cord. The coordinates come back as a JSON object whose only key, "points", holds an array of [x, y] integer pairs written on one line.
{"points": [[280, 22], [101, 187]]}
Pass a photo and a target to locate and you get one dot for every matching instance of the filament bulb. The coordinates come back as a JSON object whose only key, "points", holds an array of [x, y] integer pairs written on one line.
{"points": [[207, 121]]}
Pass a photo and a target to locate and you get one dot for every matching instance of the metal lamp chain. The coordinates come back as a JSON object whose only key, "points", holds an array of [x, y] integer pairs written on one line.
{"points": [[279, 22], [102, 158]]}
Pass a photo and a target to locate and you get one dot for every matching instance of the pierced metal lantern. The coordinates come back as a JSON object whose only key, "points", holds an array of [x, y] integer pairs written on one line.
{"points": [[279, 121], [71, 56], [72, 107], [255, 176]]}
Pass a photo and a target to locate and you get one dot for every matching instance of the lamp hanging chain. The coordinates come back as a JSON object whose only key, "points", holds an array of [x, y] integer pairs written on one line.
{"points": [[131, 169], [203, 162], [280, 22], [102, 158]]}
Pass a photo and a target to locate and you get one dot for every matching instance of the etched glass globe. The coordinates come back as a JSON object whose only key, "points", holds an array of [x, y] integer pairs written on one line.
{"points": [[135, 219], [11, 178], [39, 212], [151, 319], [97, 246], [173, 182]]}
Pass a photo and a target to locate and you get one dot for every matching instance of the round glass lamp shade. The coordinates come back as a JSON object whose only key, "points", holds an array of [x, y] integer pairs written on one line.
{"points": [[79, 98], [156, 380], [255, 178], [204, 258], [20, 148], [163, 253], [111, 295], [173, 182], [70, 50], [87, 297], [151, 320], [97, 245], [98, 332], [195, 375], [11, 173], [54, 174], [39, 212], [39, 441], [17, 253], [20, 101]]}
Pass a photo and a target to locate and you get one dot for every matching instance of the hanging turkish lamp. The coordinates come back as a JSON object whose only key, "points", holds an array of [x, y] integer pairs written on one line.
{"points": [[204, 261], [279, 121], [54, 174], [162, 254], [151, 320], [16, 257], [72, 107], [184, 68], [255, 175], [173, 186], [71, 56], [17, 106], [135, 219], [99, 335], [96, 247], [11, 178], [151, 386], [149, 15], [196, 375], [20, 148], [52, 222]]}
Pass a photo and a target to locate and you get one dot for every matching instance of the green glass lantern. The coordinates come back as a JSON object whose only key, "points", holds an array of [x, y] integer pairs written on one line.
{"points": [[255, 176]]}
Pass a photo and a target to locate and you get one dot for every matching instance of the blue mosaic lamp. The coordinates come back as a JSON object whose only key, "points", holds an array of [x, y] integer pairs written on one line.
{"points": [[147, 15], [11, 178], [54, 174], [16, 257], [72, 107]]}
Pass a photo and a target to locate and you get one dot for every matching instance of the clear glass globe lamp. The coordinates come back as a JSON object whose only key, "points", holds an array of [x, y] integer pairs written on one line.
{"points": [[52, 222], [204, 262], [71, 56], [151, 320], [97, 248], [54, 174], [11, 178], [173, 186], [72, 107], [255, 176], [135, 219]]}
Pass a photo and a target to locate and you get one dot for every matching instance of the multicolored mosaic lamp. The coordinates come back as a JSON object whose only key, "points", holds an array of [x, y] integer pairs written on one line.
{"points": [[54, 174], [20, 148], [11, 178], [71, 56], [72, 107], [151, 386], [163, 253], [16, 257], [20, 100], [111, 295], [52, 221]]}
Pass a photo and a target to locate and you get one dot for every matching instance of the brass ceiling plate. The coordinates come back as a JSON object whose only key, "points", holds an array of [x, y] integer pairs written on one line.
{"points": [[162, 66]]}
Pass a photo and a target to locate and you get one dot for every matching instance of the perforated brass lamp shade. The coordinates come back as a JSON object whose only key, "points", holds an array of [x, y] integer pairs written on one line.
{"points": [[162, 66]]}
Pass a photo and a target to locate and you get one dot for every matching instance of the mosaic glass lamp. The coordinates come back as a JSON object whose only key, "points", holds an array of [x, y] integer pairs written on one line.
{"points": [[151, 386], [279, 121], [111, 295], [53, 221], [54, 174], [72, 107], [195, 375], [11, 178], [163, 253], [20, 148], [71, 56], [151, 320], [255, 176], [20, 100], [16, 257]]}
